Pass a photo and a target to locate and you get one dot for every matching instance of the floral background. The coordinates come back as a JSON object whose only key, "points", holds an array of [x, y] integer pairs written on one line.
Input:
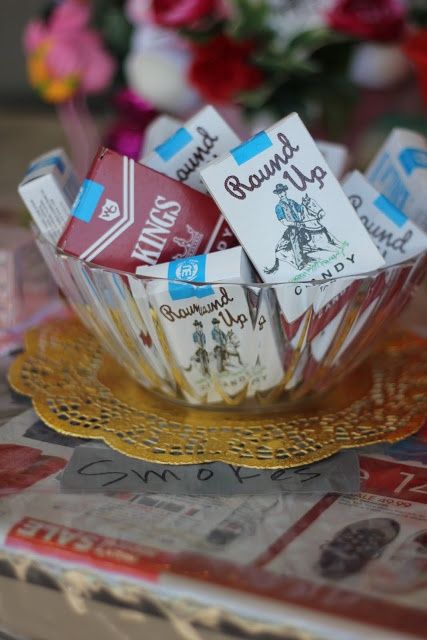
{"points": [[256, 60]]}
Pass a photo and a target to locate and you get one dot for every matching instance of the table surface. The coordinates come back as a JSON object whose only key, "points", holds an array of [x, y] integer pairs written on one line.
{"points": [[104, 613]]}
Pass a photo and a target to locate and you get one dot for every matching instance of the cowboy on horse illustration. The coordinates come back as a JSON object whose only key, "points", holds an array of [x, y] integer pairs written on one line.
{"points": [[226, 346], [201, 356], [304, 233]]}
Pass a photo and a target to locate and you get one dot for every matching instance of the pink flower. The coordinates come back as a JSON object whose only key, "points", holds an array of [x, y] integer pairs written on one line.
{"points": [[70, 15], [34, 35], [65, 55], [172, 13], [97, 65], [81, 55]]}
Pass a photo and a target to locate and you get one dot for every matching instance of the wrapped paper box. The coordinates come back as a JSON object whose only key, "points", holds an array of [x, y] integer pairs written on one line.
{"points": [[208, 327], [127, 215], [287, 208], [399, 172], [157, 131], [394, 234], [182, 155], [25, 283], [48, 190], [336, 155]]}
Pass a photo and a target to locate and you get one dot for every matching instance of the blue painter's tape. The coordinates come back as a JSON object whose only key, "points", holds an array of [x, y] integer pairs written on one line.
{"points": [[393, 213], [54, 161], [174, 144], [411, 159], [192, 270], [251, 148], [87, 200]]}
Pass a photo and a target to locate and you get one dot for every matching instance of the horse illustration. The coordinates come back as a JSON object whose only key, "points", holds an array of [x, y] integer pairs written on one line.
{"points": [[313, 213], [228, 349], [233, 344], [304, 232]]}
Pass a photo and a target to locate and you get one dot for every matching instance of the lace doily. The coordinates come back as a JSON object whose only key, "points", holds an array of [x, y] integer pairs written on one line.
{"points": [[78, 390]]}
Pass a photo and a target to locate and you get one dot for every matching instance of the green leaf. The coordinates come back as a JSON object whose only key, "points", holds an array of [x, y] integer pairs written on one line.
{"points": [[116, 31], [418, 12], [258, 98], [204, 33], [251, 21], [309, 41], [279, 66]]}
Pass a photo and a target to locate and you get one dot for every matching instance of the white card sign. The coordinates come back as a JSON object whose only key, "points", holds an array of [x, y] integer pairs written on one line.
{"points": [[95, 468], [287, 208]]}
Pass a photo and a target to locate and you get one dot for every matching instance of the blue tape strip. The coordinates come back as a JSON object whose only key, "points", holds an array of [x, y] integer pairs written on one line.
{"points": [[55, 161], [119, 285], [87, 200], [251, 148], [393, 213], [174, 144], [189, 269], [411, 159]]}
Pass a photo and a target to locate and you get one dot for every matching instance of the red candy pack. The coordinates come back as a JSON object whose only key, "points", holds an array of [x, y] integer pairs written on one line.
{"points": [[127, 215]]}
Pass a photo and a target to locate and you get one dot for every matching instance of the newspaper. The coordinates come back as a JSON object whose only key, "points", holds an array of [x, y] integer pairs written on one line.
{"points": [[354, 559]]}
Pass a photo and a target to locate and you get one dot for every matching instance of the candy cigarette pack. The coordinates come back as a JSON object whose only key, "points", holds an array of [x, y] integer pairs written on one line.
{"points": [[287, 209], [48, 190], [394, 234], [222, 345], [182, 155], [127, 215], [336, 155], [399, 172], [157, 131]]}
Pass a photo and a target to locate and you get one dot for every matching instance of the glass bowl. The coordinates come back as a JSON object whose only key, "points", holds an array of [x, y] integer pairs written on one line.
{"points": [[223, 345]]}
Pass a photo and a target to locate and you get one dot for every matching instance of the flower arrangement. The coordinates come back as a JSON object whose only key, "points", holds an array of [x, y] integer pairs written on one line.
{"points": [[265, 57], [65, 55]]}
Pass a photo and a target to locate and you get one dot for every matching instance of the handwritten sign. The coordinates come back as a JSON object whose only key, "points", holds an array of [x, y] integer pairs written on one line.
{"points": [[98, 468]]}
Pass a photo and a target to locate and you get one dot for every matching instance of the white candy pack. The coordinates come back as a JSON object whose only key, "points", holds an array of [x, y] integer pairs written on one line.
{"points": [[399, 172], [48, 190], [395, 235], [209, 330], [336, 155], [158, 131], [287, 208], [200, 140]]}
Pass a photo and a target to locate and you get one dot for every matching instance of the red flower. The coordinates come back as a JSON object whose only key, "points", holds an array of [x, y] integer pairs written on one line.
{"points": [[380, 20], [221, 69], [170, 13], [415, 47]]}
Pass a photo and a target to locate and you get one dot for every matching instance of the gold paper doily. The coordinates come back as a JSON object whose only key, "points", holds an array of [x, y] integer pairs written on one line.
{"points": [[79, 390]]}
